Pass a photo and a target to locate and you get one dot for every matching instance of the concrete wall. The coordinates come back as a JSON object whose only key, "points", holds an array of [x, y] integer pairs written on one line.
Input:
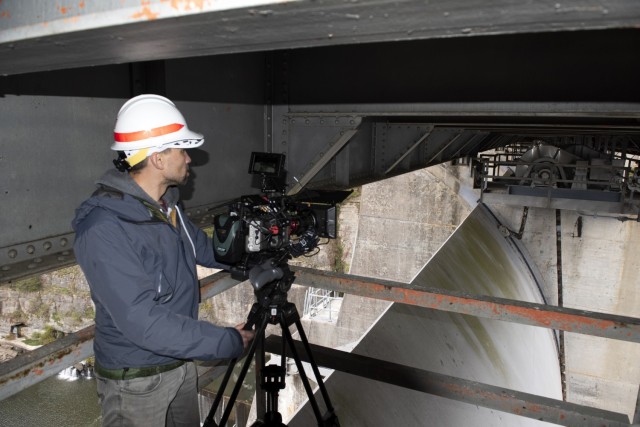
{"points": [[599, 272]]}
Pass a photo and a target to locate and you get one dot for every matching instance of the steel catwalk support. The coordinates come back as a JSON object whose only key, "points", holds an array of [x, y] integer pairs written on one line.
{"points": [[410, 150], [528, 313], [38, 365], [312, 143], [471, 392], [35, 366]]}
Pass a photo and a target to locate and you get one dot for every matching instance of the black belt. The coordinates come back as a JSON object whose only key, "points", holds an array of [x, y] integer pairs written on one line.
{"points": [[130, 373]]}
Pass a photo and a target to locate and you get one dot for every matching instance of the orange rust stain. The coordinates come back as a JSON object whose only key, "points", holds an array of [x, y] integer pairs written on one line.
{"points": [[494, 309], [563, 319], [81, 5], [5, 14], [146, 13], [72, 19], [187, 4], [535, 408], [38, 371], [63, 9]]}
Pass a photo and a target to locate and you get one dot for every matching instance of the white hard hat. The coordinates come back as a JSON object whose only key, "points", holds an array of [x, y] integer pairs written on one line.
{"points": [[152, 121]]}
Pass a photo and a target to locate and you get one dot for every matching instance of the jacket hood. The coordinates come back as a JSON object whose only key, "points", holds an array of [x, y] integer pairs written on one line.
{"points": [[114, 184]]}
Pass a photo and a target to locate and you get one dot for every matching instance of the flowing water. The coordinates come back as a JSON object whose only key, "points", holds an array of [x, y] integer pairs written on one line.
{"points": [[65, 400]]}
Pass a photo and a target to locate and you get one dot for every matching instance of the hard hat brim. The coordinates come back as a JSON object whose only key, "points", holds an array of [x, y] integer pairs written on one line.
{"points": [[187, 140]]}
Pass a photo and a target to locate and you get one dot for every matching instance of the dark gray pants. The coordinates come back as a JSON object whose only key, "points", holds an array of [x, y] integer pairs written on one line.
{"points": [[167, 399]]}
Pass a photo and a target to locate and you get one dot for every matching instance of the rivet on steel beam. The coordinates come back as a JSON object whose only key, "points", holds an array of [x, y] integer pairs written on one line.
{"points": [[64, 242], [13, 253], [30, 249], [6, 268], [47, 245]]}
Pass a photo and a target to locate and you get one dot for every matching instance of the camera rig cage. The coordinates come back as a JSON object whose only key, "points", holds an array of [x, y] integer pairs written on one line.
{"points": [[272, 225], [257, 237]]}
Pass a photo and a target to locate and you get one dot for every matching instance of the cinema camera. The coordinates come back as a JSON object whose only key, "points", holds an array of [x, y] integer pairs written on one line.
{"points": [[257, 238], [271, 225]]}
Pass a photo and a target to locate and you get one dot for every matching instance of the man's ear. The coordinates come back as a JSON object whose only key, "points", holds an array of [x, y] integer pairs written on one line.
{"points": [[157, 161]]}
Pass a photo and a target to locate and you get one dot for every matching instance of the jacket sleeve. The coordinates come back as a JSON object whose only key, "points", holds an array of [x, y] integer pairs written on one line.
{"points": [[119, 284]]}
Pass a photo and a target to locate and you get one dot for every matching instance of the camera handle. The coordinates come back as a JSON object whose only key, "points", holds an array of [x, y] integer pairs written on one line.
{"points": [[272, 376]]}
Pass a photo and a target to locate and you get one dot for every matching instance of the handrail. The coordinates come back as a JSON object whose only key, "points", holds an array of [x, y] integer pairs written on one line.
{"points": [[32, 367]]}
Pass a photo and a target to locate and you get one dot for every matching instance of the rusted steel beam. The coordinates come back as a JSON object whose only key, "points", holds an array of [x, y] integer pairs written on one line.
{"points": [[34, 366], [216, 284], [472, 392], [528, 313]]}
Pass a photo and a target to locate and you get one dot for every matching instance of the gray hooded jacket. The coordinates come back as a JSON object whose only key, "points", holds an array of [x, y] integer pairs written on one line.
{"points": [[142, 273]]}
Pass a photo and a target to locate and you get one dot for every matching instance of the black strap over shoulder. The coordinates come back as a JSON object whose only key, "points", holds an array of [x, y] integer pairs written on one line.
{"points": [[154, 212], [110, 192]]}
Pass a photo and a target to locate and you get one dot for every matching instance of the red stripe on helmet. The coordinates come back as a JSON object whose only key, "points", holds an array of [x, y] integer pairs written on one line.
{"points": [[145, 134]]}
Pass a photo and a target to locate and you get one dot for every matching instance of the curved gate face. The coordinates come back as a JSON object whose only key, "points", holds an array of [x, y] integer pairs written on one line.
{"points": [[477, 258]]}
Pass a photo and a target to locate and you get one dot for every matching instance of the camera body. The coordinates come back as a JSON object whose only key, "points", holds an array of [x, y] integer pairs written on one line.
{"points": [[269, 225]]}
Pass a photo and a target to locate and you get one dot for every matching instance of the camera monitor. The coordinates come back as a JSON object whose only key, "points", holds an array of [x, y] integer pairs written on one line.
{"points": [[267, 164]]}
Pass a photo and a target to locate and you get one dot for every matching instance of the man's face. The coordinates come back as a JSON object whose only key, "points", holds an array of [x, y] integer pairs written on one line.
{"points": [[176, 170]]}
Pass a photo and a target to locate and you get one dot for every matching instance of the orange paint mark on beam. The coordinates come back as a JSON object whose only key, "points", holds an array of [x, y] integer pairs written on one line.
{"points": [[63, 9], [187, 4], [145, 13]]}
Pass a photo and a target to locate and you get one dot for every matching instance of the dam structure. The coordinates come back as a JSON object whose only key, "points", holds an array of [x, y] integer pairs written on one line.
{"points": [[486, 274], [484, 255]]}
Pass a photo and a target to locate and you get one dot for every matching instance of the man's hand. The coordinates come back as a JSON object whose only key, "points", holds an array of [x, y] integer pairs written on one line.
{"points": [[247, 335]]}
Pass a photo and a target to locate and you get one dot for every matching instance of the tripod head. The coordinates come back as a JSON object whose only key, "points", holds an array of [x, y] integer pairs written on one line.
{"points": [[271, 282]]}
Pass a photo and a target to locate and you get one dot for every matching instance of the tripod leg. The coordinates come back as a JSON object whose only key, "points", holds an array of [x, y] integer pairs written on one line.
{"points": [[314, 366], [208, 422], [303, 376], [260, 398], [236, 390]]}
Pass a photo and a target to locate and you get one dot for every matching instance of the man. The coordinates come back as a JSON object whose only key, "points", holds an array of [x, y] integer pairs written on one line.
{"points": [[139, 253]]}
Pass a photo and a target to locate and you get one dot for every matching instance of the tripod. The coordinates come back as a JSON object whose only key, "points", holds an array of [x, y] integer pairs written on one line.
{"points": [[272, 307]]}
